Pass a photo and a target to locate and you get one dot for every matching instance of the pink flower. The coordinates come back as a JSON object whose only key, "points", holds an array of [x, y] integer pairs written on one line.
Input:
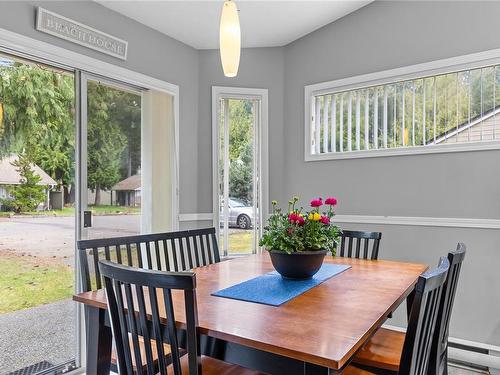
{"points": [[331, 201], [295, 218], [325, 220], [317, 202]]}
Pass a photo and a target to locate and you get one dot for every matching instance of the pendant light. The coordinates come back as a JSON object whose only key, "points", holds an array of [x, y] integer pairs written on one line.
{"points": [[230, 39]]}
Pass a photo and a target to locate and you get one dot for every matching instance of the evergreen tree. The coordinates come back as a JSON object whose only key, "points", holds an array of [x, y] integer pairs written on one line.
{"points": [[28, 195]]}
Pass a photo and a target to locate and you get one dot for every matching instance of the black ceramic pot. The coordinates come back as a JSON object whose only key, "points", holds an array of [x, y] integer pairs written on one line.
{"points": [[300, 265]]}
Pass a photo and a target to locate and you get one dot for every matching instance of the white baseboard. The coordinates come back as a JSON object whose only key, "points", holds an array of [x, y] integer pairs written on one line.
{"points": [[491, 360], [196, 217]]}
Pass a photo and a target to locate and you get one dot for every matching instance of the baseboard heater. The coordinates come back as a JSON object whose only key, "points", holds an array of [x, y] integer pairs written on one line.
{"points": [[469, 353]]}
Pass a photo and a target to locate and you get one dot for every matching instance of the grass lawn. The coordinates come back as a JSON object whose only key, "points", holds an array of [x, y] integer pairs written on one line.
{"points": [[31, 281], [27, 281], [240, 242], [70, 211]]}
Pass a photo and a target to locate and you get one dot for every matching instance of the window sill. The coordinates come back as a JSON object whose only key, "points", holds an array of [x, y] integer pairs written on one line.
{"points": [[417, 150]]}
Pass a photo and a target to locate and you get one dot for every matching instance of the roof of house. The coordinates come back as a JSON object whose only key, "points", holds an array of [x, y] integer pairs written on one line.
{"points": [[10, 176], [129, 184], [465, 125]]}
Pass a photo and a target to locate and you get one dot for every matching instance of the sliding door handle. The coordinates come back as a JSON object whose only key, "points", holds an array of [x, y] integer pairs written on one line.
{"points": [[87, 219]]}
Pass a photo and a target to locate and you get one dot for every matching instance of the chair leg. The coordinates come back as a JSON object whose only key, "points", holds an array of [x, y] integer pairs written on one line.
{"points": [[445, 362]]}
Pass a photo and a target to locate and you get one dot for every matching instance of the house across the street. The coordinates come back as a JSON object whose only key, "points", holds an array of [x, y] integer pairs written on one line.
{"points": [[128, 191], [10, 177]]}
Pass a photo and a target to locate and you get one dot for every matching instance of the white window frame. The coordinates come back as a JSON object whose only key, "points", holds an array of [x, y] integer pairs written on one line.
{"points": [[220, 92], [437, 67]]}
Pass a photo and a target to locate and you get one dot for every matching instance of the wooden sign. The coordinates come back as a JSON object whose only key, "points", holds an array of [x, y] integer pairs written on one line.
{"points": [[65, 28]]}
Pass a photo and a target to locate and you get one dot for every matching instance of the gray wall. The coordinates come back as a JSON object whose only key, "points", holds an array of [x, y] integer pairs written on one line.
{"points": [[259, 68], [381, 36], [386, 35], [150, 53]]}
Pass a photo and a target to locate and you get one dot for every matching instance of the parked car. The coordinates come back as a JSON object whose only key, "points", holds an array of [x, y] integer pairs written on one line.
{"points": [[240, 214]]}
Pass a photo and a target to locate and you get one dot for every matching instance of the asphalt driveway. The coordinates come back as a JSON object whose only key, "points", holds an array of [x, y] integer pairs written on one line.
{"points": [[54, 236], [43, 333]]}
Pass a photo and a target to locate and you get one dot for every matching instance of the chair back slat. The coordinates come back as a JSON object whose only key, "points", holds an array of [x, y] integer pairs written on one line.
{"points": [[145, 331], [160, 251], [422, 320], [130, 261], [189, 254], [118, 251], [215, 247], [439, 353], [95, 257], [138, 247], [354, 240], [157, 330], [208, 242], [132, 325], [173, 249], [202, 248], [107, 254], [124, 286]]}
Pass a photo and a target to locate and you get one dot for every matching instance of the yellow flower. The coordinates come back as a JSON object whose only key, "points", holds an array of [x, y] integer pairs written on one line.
{"points": [[314, 216]]}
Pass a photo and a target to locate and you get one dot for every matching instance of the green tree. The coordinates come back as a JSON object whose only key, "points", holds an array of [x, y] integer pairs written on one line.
{"points": [[126, 111], [29, 194], [241, 149], [37, 116], [106, 141], [37, 106], [241, 176]]}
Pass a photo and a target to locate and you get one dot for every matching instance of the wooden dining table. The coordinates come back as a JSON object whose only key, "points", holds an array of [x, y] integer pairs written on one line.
{"points": [[317, 332]]}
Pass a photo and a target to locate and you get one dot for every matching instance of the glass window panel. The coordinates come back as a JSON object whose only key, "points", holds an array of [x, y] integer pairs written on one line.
{"points": [[113, 160], [37, 262], [456, 107], [238, 192], [487, 129]]}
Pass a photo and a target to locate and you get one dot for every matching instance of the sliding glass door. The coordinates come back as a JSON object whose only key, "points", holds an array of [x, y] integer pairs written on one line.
{"points": [[38, 318], [110, 158], [238, 178], [75, 150]]}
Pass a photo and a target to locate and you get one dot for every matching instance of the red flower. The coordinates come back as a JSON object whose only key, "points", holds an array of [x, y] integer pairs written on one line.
{"points": [[325, 220], [295, 218], [331, 201], [317, 202]]}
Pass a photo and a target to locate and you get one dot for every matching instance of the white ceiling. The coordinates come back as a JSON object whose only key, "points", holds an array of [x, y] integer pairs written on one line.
{"points": [[268, 23]]}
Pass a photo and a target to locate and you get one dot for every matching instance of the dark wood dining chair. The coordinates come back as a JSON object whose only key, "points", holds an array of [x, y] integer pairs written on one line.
{"points": [[358, 244], [383, 350], [135, 298], [415, 354], [170, 251], [439, 353]]}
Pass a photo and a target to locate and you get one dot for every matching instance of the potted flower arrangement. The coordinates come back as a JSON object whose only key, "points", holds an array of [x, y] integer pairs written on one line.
{"points": [[298, 240]]}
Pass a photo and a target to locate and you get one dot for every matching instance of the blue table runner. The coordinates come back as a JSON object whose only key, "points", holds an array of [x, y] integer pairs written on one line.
{"points": [[271, 289]]}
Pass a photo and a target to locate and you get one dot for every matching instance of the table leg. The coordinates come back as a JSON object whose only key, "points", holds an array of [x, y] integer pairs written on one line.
{"points": [[310, 369], [409, 303], [99, 342]]}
